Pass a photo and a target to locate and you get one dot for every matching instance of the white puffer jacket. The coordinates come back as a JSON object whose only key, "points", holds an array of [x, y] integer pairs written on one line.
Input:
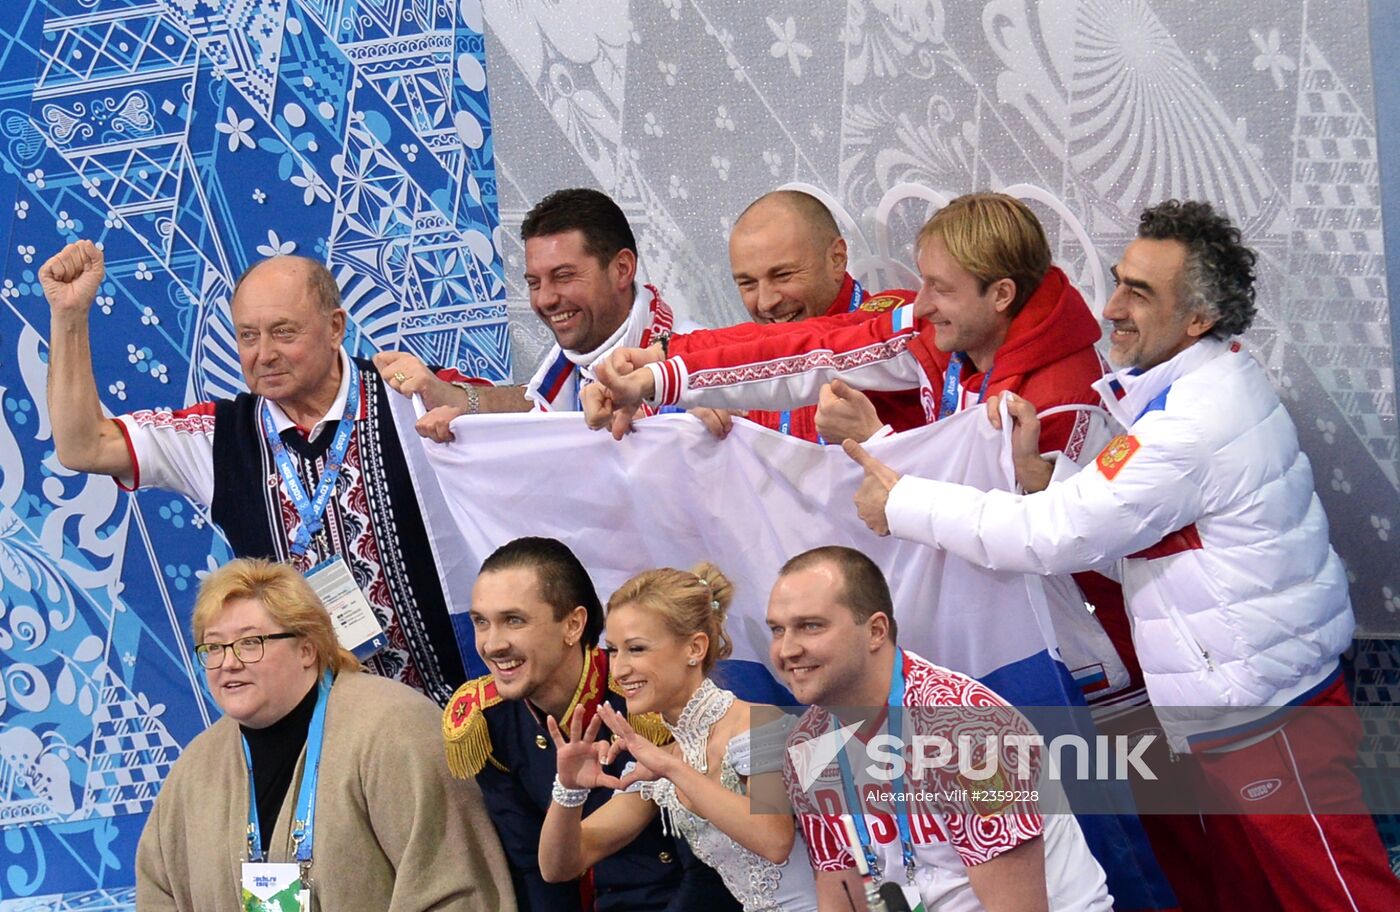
{"points": [[1237, 598]]}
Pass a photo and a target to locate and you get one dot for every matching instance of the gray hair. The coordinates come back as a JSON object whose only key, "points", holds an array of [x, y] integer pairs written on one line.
{"points": [[1219, 278]]}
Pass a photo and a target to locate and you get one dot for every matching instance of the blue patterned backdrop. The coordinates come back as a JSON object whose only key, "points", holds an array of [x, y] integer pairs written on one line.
{"points": [[191, 138]]}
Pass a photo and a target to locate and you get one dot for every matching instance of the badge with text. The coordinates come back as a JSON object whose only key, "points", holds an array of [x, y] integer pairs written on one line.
{"points": [[274, 888], [356, 627]]}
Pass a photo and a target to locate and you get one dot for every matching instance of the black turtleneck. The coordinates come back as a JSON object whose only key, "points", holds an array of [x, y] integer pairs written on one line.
{"points": [[275, 750]]}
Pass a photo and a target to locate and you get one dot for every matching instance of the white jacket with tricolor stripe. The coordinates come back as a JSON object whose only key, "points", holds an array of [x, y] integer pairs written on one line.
{"points": [[1236, 595]]}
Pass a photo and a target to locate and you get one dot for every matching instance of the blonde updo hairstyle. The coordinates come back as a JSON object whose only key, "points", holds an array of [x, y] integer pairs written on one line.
{"points": [[689, 602], [286, 596]]}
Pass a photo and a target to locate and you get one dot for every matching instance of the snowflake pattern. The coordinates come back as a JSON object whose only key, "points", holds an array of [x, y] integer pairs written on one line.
{"points": [[275, 246], [313, 185], [787, 44], [774, 160], [1270, 57], [1381, 525], [238, 129]]}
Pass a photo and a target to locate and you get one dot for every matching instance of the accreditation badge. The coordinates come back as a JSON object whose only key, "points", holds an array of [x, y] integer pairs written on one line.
{"points": [[356, 627], [274, 888]]}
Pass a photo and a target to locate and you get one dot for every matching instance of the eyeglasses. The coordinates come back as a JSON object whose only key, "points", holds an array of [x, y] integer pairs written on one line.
{"points": [[248, 649]]}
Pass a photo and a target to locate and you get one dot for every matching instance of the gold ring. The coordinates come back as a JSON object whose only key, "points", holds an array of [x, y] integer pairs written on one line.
{"points": [[399, 376]]}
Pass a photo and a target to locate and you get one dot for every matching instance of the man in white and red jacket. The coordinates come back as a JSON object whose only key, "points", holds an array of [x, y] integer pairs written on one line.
{"points": [[1240, 605]]}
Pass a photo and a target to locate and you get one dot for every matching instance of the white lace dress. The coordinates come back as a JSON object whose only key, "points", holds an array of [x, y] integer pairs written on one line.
{"points": [[753, 880]]}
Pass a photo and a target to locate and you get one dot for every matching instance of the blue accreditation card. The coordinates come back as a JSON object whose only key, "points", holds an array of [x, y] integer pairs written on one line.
{"points": [[356, 627]]}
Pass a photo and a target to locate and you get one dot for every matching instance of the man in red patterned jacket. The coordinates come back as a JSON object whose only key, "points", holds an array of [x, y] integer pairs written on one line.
{"points": [[789, 262]]}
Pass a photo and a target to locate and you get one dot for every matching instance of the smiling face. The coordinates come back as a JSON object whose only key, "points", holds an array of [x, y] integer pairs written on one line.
{"points": [[651, 663], [784, 268], [825, 656], [288, 343], [531, 653], [965, 316], [581, 300], [257, 694], [1151, 323]]}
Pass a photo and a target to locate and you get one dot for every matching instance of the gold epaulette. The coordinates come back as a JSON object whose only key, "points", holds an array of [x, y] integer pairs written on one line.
{"points": [[648, 725], [464, 730], [651, 727]]}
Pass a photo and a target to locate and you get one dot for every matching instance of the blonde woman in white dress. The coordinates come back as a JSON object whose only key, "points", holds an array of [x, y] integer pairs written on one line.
{"points": [[665, 629]]}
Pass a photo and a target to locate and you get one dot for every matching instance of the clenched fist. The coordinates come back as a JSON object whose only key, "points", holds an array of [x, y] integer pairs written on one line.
{"points": [[71, 278]]}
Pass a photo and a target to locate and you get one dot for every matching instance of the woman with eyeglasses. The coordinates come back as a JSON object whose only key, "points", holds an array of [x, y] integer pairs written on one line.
{"points": [[321, 787]]}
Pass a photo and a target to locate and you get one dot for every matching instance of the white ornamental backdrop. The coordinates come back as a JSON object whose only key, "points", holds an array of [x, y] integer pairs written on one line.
{"points": [[686, 110]]}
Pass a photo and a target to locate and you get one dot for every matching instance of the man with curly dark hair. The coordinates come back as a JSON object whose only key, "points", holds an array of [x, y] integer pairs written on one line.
{"points": [[1240, 606]]}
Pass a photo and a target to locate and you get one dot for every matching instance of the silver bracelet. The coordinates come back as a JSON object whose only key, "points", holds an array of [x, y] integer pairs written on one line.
{"points": [[567, 797], [473, 401]]}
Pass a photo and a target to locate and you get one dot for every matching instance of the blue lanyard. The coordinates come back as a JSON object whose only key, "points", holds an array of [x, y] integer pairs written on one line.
{"points": [[855, 805], [952, 386], [785, 426], [311, 510], [785, 416], [306, 794]]}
